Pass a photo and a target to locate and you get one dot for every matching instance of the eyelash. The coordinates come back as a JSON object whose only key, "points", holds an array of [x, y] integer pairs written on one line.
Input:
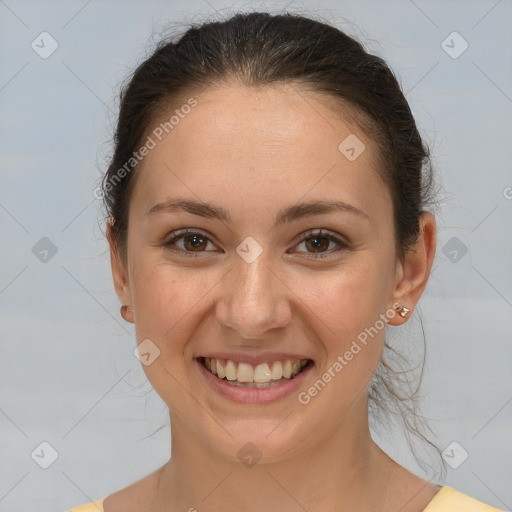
{"points": [[307, 236]]}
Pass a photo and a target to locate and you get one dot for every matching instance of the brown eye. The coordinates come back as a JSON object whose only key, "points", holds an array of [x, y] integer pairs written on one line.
{"points": [[188, 243], [318, 243], [194, 242]]}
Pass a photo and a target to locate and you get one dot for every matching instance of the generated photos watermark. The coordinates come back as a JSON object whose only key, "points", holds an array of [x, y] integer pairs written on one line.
{"points": [[304, 397]]}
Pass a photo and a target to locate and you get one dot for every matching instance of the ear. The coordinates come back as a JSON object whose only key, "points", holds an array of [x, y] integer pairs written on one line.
{"points": [[119, 273], [413, 273]]}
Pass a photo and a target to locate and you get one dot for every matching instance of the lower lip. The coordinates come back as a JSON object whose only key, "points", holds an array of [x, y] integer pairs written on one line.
{"points": [[254, 395]]}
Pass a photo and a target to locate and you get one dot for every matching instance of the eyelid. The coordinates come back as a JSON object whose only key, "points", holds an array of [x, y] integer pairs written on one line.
{"points": [[323, 233], [179, 234], [319, 232]]}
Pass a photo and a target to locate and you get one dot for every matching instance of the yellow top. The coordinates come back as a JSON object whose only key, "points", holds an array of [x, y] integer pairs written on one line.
{"points": [[95, 506], [446, 500], [450, 500]]}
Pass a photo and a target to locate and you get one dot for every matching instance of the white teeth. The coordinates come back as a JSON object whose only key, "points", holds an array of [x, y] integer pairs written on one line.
{"points": [[277, 370], [231, 371], [220, 370], [245, 373], [261, 376], [262, 373]]}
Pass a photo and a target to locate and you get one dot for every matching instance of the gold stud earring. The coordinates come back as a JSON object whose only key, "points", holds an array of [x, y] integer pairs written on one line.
{"points": [[403, 311]]}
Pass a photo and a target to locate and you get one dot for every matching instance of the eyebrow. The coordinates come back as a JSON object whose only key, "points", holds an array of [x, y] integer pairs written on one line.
{"points": [[289, 214]]}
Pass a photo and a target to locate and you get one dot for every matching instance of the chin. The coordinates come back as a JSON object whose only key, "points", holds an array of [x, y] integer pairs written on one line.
{"points": [[261, 441]]}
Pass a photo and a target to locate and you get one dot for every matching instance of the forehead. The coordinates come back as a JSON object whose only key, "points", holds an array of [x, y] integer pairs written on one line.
{"points": [[251, 119], [258, 141]]}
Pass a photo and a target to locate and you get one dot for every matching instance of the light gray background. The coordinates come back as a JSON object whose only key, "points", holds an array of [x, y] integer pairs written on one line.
{"points": [[68, 375]]}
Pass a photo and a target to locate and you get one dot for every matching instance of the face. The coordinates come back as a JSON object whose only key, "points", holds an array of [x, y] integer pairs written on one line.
{"points": [[261, 282]]}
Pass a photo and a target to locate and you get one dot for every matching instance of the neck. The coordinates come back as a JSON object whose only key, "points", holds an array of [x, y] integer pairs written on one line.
{"points": [[343, 471]]}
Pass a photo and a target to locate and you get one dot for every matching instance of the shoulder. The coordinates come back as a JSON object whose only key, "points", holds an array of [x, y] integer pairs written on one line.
{"points": [[95, 506], [133, 497], [451, 500]]}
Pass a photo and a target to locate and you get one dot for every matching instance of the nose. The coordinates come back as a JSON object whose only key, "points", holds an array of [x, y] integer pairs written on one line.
{"points": [[254, 299]]}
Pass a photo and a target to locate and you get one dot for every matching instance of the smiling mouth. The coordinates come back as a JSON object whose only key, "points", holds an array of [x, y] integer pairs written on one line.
{"points": [[263, 375]]}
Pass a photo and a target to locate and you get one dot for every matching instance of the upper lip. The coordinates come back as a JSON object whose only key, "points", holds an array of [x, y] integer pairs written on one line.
{"points": [[261, 357]]}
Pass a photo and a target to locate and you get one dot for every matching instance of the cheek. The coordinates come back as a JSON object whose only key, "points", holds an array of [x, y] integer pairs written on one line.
{"points": [[350, 330], [347, 315], [171, 307], [164, 297], [168, 302], [349, 298]]}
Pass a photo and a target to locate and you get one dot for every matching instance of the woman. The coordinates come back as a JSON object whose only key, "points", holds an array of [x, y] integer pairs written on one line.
{"points": [[267, 220]]}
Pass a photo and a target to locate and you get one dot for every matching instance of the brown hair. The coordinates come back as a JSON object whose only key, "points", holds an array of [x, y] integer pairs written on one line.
{"points": [[258, 49]]}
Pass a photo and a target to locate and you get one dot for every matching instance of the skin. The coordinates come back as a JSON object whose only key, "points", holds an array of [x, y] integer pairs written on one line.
{"points": [[254, 152]]}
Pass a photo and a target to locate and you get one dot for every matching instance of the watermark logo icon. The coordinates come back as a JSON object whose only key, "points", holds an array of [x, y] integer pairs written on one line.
{"points": [[351, 147], [454, 45], [249, 250], [44, 45], [146, 352], [455, 455], [44, 455], [454, 249], [44, 250], [249, 455]]}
